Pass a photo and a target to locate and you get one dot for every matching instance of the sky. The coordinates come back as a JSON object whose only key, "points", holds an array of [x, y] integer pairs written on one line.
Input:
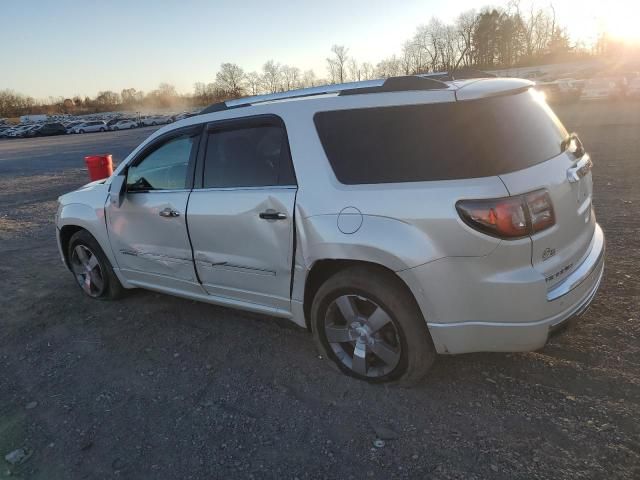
{"points": [[70, 47]]}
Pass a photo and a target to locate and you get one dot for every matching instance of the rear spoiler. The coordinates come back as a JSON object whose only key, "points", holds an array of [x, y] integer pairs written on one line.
{"points": [[492, 87]]}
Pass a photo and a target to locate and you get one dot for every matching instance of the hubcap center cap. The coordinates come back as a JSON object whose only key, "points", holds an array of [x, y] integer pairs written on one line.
{"points": [[361, 333]]}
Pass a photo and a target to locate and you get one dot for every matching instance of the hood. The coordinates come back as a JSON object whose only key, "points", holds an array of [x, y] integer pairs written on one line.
{"points": [[89, 187]]}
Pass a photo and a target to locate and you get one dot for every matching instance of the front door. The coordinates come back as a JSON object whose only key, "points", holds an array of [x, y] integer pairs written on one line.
{"points": [[241, 219], [148, 232]]}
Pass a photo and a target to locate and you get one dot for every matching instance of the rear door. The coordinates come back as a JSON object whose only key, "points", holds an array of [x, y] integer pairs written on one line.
{"points": [[240, 215]]}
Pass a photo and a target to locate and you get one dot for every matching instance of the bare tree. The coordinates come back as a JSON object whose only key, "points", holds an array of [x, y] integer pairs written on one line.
{"points": [[337, 65], [290, 77], [389, 67], [272, 77], [254, 81], [368, 72], [466, 26], [309, 79], [355, 73], [231, 79]]}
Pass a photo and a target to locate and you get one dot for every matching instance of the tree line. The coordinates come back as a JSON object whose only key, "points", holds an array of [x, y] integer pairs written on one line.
{"points": [[485, 39]]}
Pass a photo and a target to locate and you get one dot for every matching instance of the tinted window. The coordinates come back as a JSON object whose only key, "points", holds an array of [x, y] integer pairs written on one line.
{"points": [[254, 156], [165, 168], [444, 141]]}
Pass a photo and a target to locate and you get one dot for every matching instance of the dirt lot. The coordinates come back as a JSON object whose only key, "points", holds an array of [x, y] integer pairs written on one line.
{"points": [[159, 387]]}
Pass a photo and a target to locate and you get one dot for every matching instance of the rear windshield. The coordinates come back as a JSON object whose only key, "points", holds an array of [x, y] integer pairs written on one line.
{"points": [[440, 141]]}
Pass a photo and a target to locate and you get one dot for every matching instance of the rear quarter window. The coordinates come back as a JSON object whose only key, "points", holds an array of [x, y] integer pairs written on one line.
{"points": [[440, 141]]}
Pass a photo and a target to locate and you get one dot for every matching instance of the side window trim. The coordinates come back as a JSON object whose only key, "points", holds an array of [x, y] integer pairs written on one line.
{"points": [[239, 123], [194, 130]]}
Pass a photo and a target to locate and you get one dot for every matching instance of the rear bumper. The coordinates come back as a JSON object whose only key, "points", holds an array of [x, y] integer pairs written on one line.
{"points": [[512, 317]]}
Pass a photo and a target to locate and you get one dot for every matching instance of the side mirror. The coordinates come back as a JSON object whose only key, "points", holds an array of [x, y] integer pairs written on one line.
{"points": [[117, 189]]}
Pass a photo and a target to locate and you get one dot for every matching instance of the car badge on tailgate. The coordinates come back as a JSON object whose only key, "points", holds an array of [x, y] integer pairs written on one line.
{"points": [[580, 169], [548, 253]]}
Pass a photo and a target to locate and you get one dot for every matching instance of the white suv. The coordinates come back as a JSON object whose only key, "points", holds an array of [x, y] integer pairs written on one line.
{"points": [[396, 219]]}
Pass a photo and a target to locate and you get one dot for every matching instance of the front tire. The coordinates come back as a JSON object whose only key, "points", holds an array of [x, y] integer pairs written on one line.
{"points": [[368, 324], [91, 268], [101, 129]]}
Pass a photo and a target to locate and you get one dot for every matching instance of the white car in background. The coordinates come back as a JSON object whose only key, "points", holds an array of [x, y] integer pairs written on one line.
{"points": [[633, 89], [601, 89], [19, 131], [124, 125], [154, 120], [91, 126], [71, 125]]}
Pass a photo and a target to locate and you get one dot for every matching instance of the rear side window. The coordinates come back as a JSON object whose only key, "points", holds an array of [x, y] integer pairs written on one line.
{"points": [[440, 141], [248, 156]]}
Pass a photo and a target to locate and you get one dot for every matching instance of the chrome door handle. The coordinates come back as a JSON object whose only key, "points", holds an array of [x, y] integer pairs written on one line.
{"points": [[273, 215], [169, 213]]}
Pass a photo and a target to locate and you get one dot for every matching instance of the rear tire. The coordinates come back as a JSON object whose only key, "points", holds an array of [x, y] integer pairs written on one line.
{"points": [[91, 268], [382, 336]]}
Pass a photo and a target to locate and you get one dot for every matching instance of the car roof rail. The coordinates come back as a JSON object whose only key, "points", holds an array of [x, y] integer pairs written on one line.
{"points": [[460, 74], [392, 84]]}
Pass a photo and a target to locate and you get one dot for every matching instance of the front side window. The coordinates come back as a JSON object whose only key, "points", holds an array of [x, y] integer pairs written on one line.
{"points": [[165, 168], [252, 156]]}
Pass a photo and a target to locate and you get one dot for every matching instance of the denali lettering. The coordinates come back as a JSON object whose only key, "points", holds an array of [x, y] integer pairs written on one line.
{"points": [[559, 273]]}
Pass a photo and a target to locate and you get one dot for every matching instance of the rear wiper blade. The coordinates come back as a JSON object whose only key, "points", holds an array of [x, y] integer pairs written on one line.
{"points": [[572, 144]]}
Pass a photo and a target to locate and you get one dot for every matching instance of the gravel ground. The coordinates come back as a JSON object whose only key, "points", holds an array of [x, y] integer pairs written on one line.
{"points": [[158, 387]]}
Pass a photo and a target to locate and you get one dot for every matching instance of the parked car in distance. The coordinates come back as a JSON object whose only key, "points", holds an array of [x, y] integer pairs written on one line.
{"points": [[154, 120], [112, 122], [91, 126], [182, 116], [70, 126], [559, 91], [355, 215], [49, 129], [124, 124], [601, 89], [20, 130], [633, 89]]}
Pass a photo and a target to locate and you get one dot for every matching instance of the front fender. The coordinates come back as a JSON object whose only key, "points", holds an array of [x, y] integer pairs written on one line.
{"points": [[89, 218]]}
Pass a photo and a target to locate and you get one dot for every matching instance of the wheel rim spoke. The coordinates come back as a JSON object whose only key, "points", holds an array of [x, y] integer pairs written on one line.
{"points": [[82, 254], [86, 285], [385, 352], [337, 334], [93, 262], [78, 269], [359, 362], [96, 279], [347, 307], [362, 335], [378, 319], [86, 267]]}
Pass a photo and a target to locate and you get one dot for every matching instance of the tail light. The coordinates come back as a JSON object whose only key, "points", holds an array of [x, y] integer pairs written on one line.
{"points": [[509, 217]]}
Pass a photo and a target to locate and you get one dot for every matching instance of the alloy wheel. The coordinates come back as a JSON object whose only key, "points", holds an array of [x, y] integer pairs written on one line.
{"points": [[363, 336], [87, 270]]}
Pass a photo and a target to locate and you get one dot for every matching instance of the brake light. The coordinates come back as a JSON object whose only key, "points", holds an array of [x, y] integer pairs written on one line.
{"points": [[509, 217]]}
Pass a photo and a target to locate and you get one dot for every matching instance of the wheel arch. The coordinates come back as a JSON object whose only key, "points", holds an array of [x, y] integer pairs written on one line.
{"points": [[74, 217], [323, 269]]}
